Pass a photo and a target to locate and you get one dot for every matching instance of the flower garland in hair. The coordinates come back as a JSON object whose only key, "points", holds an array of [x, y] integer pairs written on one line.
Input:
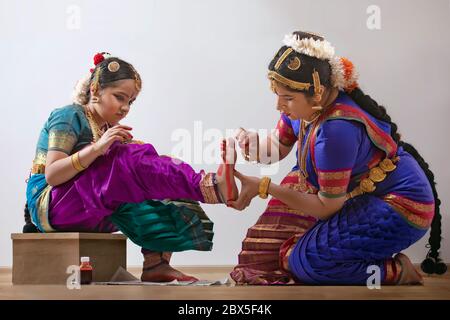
{"points": [[343, 74], [320, 49]]}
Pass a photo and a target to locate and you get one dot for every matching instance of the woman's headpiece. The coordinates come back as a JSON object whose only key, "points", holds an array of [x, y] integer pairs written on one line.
{"points": [[307, 60]]}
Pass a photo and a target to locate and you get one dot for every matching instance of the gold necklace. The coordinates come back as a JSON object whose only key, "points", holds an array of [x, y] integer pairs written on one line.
{"points": [[97, 132], [303, 148]]}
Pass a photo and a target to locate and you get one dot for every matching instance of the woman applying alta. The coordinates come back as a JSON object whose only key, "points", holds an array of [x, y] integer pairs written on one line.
{"points": [[358, 194], [89, 175]]}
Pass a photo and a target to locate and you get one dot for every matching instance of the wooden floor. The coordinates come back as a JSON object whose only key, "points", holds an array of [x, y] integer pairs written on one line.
{"points": [[436, 287]]}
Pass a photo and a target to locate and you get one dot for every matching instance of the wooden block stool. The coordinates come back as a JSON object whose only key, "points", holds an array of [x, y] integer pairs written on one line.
{"points": [[43, 258]]}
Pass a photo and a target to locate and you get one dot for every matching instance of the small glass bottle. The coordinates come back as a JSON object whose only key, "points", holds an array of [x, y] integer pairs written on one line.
{"points": [[85, 271]]}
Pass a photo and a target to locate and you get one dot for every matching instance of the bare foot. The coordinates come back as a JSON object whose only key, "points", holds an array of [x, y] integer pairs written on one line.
{"points": [[409, 274], [164, 273], [225, 174]]}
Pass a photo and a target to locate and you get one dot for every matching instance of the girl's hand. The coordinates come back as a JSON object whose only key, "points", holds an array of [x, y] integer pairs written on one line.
{"points": [[248, 142], [249, 190], [116, 133]]}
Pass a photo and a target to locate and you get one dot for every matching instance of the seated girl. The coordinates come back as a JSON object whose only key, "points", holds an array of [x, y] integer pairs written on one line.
{"points": [[89, 175]]}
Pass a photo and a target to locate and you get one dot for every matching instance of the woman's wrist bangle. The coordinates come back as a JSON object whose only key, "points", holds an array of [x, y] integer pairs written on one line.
{"points": [[264, 187], [76, 162]]}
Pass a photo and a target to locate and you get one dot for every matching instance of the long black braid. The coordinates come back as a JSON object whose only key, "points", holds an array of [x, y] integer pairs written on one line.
{"points": [[29, 227], [432, 264]]}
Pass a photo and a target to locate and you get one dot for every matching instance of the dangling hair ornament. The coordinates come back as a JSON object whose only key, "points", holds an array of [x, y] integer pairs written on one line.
{"points": [[137, 79], [98, 58], [95, 81], [317, 88]]}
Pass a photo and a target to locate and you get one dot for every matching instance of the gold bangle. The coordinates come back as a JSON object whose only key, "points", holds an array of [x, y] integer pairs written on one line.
{"points": [[76, 162], [264, 187], [77, 159]]}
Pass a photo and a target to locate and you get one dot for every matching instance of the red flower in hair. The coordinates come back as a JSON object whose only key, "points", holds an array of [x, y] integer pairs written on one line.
{"points": [[98, 58], [348, 68]]}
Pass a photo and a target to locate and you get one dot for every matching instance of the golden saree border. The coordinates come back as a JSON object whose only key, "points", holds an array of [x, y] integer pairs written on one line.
{"points": [[380, 138], [333, 184], [38, 169], [207, 188], [295, 181], [285, 209], [40, 157], [42, 205], [61, 141], [417, 214], [280, 227], [38, 165], [264, 240]]}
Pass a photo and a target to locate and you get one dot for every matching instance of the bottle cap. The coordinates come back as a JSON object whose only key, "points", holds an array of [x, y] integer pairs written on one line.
{"points": [[84, 259]]}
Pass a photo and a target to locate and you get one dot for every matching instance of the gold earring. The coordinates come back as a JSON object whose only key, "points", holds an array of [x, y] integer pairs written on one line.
{"points": [[318, 98], [94, 99]]}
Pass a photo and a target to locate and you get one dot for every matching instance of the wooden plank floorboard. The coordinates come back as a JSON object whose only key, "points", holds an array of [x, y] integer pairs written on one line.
{"points": [[436, 287]]}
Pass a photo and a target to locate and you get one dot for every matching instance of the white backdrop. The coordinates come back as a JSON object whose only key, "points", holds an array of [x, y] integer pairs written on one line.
{"points": [[206, 61]]}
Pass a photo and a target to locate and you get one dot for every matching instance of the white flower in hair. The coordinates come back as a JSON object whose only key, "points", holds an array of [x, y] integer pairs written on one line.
{"points": [[343, 76], [337, 73], [320, 49], [80, 90]]}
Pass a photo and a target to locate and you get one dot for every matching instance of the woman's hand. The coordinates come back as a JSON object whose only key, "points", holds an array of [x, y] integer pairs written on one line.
{"points": [[249, 143], [249, 190], [116, 133]]}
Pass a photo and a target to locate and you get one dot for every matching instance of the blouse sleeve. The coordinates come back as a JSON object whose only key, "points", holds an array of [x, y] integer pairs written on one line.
{"points": [[285, 132], [335, 151], [64, 128]]}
